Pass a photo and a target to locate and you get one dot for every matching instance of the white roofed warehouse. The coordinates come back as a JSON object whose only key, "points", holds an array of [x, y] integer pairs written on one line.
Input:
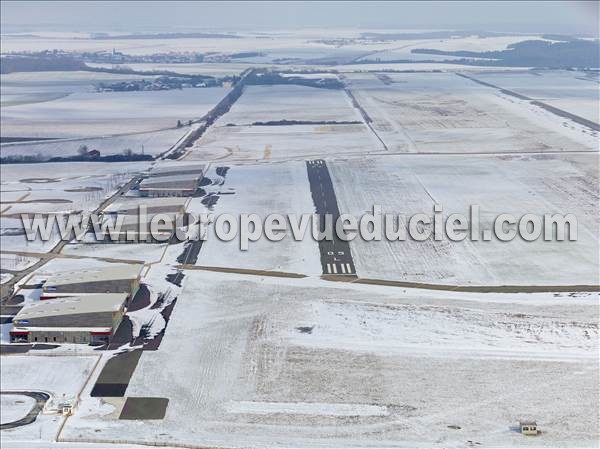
{"points": [[172, 185], [172, 181], [116, 278], [87, 319]]}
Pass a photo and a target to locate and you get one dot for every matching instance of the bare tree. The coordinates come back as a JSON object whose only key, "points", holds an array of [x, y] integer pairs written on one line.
{"points": [[82, 150]]}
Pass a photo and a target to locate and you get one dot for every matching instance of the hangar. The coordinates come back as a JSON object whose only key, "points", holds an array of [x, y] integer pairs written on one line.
{"points": [[89, 319], [116, 278]]}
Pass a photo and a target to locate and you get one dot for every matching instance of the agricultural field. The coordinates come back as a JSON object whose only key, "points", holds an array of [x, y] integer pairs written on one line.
{"points": [[406, 184], [446, 113], [402, 51], [35, 87], [290, 102], [207, 69], [151, 143], [299, 344], [575, 92], [54, 188], [265, 189], [93, 114], [345, 365], [260, 127], [227, 144]]}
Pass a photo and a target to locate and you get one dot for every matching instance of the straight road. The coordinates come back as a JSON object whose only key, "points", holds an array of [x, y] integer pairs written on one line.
{"points": [[336, 258]]}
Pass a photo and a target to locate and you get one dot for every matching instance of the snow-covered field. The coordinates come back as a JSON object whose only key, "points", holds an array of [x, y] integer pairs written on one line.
{"points": [[249, 361], [34, 87], [278, 46], [63, 187], [290, 102], [152, 143], [208, 69], [402, 49], [14, 262], [444, 113], [263, 143], [146, 253], [105, 113], [52, 188], [62, 377], [513, 184], [256, 362], [265, 189], [5, 277], [575, 92], [14, 407]]}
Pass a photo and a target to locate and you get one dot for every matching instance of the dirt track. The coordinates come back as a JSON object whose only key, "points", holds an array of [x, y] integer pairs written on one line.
{"points": [[405, 284]]}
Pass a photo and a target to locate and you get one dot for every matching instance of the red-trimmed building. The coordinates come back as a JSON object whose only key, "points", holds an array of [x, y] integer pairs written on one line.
{"points": [[87, 319]]}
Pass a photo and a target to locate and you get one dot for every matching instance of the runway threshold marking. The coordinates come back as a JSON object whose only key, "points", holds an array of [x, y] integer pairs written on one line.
{"points": [[336, 257]]}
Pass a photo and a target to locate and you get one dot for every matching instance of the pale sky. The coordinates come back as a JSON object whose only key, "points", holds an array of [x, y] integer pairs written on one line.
{"points": [[568, 17]]}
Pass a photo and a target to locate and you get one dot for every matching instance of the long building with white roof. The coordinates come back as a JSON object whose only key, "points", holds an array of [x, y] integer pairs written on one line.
{"points": [[113, 278], [89, 319]]}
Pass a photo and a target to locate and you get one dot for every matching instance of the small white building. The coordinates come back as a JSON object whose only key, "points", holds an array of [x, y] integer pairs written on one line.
{"points": [[528, 427]]}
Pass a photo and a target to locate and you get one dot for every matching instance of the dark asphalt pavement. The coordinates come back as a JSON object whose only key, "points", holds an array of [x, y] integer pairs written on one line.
{"points": [[40, 401], [336, 257]]}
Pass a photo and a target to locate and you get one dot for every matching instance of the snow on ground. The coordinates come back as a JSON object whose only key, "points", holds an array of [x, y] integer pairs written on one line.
{"points": [[14, 407], [25, 177], [13, 238], [5, 277], [152, 143], [58, 265], [517, 184], [415, 66], [476, 43], [53, 188], [290, 102], [34, 87], [227, 144], [15, 262], [256, 362], [104, 113], [571, 91], [402, 49], [279, 44], [146, 253], [265, 189], [207, 69], [62, 377], [6, 327], [444, 113], [307, 408]]}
